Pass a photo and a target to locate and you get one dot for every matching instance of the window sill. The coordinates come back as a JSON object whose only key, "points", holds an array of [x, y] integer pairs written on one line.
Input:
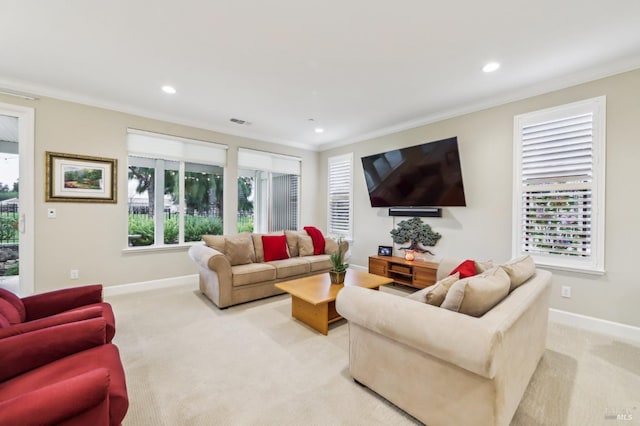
{"points": [[570, 269], [146, 249]]}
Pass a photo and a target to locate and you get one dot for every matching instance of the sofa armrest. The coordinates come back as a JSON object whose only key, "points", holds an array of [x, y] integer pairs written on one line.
{"points": [[54, 403], [456, 338], [54, 302], [58, 319], [215, 274], [24, 352], [210, 258]]}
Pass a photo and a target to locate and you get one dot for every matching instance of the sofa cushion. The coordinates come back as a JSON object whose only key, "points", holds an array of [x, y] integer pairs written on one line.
{"points": [[421, 295], [330, 245], [292, 242], [448, 264], [239, 251], [305, 245], [478, 294], [217, 242], [317, 238], [257, 245], [519, 270], [436, 296], [466, 269], [274, 247], [320, 262], [290, 267], [252, 273], [103, 356], [483, 266]]}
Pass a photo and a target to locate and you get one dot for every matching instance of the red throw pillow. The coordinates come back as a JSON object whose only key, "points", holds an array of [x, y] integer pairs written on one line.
{"points": [[467, 269], [275, 247]]}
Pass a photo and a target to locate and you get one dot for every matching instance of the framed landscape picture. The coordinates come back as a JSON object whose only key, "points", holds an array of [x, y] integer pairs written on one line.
{"points": [[80, 178]]}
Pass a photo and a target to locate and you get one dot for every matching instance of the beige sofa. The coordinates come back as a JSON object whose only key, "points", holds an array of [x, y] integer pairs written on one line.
{"points": [[233, 270], [445, 367]]}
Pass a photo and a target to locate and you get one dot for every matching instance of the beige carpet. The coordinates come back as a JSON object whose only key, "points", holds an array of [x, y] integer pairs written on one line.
{"points": [[190, 363]]}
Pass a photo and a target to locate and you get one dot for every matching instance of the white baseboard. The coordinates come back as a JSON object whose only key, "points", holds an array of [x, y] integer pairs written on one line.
{"points": [[616, 329], [150, 285]]}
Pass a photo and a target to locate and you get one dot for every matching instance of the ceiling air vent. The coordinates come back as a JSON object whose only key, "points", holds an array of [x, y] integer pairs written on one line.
{"points": [[238, 121]]}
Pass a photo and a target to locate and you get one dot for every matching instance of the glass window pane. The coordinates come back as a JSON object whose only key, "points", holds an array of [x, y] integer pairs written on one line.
{"points": [[246, 194], [267, 201], [9, 236], [171, 206], [140, 200], [203, 200]]}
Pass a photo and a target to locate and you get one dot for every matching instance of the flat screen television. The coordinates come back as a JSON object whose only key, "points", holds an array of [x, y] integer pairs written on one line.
{"points": [[426, 175]]}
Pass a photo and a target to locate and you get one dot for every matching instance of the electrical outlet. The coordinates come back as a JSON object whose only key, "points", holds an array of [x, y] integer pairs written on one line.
{"points": [[565, 291], [75, 274], [51, 213]]}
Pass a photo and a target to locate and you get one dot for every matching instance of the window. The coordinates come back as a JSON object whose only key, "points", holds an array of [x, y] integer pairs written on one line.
{"points": [[559, 186], [174, 189], [268, 191], [340, 194]]}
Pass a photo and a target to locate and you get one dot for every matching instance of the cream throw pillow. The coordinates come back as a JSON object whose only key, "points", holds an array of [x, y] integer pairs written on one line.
{"points": [[519, 270], [330, 246], [437, 294], [292, 242], [483, 266], [432, 294], [305, 245], [478, 294], [217, 242], [240, 251], [257, 246], [420, 295]]}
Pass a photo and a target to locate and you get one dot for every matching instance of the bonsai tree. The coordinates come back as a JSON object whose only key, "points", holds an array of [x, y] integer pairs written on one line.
{"points": [[337, 258], [416, 232]]}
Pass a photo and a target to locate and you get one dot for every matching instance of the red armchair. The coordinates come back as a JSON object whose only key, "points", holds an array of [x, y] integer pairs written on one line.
{"points": [[53, 308], [62, 375]]}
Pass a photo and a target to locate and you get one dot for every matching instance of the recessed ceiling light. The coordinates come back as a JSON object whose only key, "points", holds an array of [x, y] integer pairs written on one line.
{"points": [[319, 130], [491, 67], [169, 89]]}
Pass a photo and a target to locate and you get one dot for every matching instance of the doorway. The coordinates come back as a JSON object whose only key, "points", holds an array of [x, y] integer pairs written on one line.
{"points": [[17, 199]]}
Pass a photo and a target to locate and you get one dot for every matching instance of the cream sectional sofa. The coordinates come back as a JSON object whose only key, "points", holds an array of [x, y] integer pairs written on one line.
{"points": [[445, 367], [233, 270]]}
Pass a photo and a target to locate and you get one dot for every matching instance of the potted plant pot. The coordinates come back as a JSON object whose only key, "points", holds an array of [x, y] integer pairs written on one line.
{"points": [[337, 277]]}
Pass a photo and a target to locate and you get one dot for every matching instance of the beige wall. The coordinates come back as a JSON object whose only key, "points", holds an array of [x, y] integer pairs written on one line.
{"points": [[91, 237], [483, 229]]}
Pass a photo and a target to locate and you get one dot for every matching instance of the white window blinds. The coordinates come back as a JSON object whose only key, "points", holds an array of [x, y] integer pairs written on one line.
{"points": [[268, 161], [340, 183], [155, 145], [559, 185]]}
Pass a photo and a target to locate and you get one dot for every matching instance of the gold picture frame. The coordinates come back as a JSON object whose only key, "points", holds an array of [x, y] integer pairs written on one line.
{"points": [[80, 178]]}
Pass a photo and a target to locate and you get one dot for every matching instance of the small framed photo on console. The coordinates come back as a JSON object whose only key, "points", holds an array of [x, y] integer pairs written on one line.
{"points": [[384, 250]]}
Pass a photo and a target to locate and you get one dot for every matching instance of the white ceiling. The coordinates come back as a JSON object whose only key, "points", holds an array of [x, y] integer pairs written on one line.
{"points": [[359, 68]]}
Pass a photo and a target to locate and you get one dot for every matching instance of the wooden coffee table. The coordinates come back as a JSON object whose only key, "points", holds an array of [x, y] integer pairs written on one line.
{"points": [[313, 299]]}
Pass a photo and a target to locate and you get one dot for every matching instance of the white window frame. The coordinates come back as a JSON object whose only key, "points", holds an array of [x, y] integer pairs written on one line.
{"points": [[158, 148], [337, 187], [593, 262]]}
